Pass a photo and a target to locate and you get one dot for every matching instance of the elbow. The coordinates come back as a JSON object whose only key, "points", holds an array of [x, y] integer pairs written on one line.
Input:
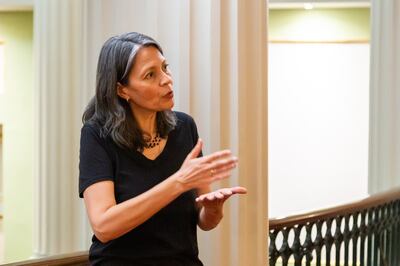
{"points": [[102, 238], [102, 233], [207, 227]]}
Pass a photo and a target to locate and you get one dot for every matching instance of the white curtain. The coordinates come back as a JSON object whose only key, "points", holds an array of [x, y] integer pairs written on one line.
{"points": [[217, 52], [58, 76], [384, 153]]}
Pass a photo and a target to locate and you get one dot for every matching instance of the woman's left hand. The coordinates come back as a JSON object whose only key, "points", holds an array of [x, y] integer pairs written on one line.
{"points": [[215, 200]]}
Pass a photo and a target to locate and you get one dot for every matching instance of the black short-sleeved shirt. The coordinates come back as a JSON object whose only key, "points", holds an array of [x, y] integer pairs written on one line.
{"points": [[169, 237]]}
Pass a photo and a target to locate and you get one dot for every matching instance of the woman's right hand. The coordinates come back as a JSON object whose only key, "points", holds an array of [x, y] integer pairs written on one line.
{"points": [[199, 172]]}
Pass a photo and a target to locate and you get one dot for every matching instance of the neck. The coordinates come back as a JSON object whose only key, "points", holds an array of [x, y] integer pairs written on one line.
{"points": [[146, 120]]}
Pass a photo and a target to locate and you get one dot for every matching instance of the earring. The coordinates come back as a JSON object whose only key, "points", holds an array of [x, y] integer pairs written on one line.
{"points": [[127, 100]]}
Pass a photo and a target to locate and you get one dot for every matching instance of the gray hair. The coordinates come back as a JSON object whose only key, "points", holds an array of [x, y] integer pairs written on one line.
{"points": [[106, 108]]}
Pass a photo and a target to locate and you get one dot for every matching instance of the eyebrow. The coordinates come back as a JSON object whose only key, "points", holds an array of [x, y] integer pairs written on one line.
{"points": [[151, 66]]}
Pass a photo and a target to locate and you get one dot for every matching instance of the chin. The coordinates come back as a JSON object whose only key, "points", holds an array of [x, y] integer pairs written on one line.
{"points": [[166, 108], [170, 106]]}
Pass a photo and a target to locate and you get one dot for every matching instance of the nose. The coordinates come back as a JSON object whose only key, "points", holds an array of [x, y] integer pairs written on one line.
{"points": [[166, 79]]}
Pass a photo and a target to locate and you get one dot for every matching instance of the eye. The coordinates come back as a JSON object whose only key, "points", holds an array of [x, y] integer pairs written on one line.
{"points": [[149, 75], [165, 67]]}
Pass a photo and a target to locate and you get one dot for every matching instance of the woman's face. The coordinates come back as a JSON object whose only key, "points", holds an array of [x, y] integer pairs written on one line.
{"points": [[150, 82]]}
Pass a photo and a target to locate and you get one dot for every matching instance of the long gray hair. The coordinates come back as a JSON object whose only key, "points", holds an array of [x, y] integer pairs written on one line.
{"points": [[112, 113]]}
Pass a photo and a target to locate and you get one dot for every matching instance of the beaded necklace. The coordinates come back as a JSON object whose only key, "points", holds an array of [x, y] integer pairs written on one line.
{"points": [[154, 141]]}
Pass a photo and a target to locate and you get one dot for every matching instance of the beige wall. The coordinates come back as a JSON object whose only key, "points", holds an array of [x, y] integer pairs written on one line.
{"points": [[333, 24], [16, 115]]}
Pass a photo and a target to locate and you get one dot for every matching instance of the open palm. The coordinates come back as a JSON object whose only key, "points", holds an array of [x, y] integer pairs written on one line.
{"points": [[216, 199]]}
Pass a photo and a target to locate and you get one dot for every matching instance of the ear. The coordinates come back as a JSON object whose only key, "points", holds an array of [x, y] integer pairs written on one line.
{"points": [[121, 91]]}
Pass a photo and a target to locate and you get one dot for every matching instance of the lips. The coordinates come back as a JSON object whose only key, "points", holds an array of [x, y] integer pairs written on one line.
{"points": [[169, 95]]}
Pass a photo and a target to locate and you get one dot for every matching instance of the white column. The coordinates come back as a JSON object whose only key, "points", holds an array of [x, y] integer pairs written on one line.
{"points": [[247, 111], [228, 98], [58, 73], [384, 149]]}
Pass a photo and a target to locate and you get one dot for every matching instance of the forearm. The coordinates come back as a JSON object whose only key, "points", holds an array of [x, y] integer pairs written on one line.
{"points": [[123, 217], [209, 218]]}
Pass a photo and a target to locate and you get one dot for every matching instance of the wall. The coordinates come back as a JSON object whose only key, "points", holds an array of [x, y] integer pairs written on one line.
{"points": [[16, 116], [350, 24], [318, 108]]}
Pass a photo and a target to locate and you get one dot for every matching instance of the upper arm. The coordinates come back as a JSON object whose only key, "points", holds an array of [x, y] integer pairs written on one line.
{"points": [[96, 175], [99, 197]]}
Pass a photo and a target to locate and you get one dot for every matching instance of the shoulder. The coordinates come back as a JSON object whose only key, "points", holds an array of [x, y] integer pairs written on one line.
{"points": [[186, 125], [183, 118], [90, 127], [92, 131], [92, 140]]}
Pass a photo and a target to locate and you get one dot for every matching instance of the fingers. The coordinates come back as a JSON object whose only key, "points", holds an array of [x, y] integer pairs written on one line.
{"points": [[221, 175], [226, 191], [198, 172], [217, 155], [209, 197], [238, 190], [216, 195], [222, 165], [218, 170], [221, 194], [194, 153]]}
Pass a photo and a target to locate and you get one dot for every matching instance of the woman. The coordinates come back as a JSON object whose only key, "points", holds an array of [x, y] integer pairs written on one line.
{"points": [[142, 176]]}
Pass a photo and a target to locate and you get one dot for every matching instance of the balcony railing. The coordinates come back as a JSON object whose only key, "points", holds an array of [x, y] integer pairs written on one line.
{"points": [[366, 232]]}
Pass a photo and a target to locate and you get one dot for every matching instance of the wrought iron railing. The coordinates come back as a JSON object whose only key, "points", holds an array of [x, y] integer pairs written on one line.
{"points": [[366, 232]]}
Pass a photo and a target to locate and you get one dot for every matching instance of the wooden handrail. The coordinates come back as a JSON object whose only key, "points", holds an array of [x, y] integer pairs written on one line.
{"points": [[76, 259], [340, 210]]}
